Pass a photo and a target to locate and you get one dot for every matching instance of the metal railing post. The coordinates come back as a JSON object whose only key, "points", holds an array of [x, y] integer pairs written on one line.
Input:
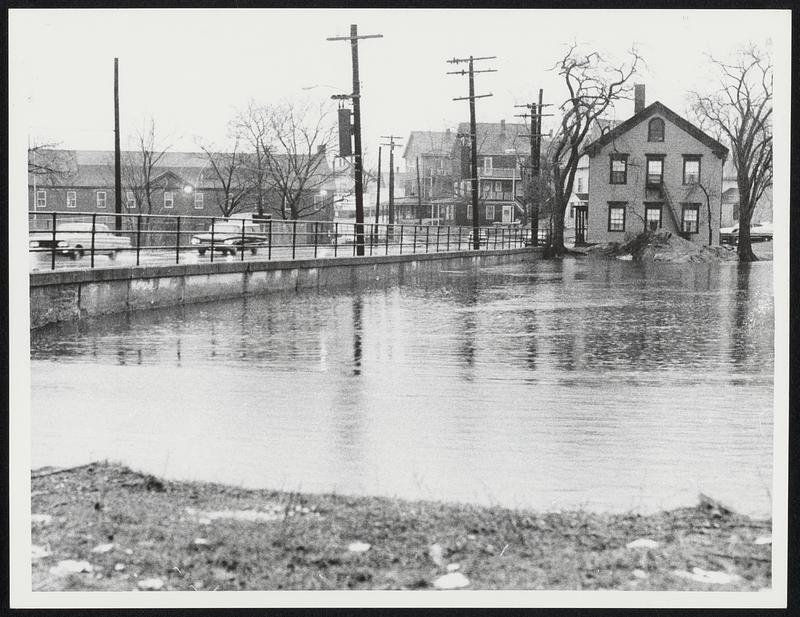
{"points": [[438, 232], [448, 238], [401, 239], [427, 237], [178, 240], [53, 256], [415, 239], [386, 252], [354, 238], [335, 239], [269, 242], [138, 236], [94, 223], [294, 237], [213, 220], [316, 228]]}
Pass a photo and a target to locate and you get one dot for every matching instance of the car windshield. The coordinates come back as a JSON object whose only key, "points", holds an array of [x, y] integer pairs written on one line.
{"points": [[99, 227]]}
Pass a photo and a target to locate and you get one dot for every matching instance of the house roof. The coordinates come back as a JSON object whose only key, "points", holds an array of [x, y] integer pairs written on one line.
{"points": [[497, 138], [95, 168], [657, 108], [429, 142]]}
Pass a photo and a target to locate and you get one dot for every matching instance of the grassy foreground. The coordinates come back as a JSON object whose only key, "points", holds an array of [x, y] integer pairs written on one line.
{"points": [[139, 532]]}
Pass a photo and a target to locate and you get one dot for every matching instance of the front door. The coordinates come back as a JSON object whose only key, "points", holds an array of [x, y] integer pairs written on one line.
{"points": [[507, 210], [581, 216]]}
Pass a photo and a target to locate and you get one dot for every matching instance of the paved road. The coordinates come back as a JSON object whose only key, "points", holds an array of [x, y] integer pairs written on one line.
{"points": [[43, 261]]}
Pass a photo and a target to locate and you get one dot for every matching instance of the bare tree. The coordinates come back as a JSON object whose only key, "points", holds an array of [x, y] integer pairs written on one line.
{"points": [[741, 111], [230, 176], [251, 126], [594, 85], [138, 168], [47, 164]]}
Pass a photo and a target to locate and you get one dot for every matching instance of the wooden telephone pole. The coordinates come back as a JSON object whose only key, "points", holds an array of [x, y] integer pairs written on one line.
{"points": [[391, 146], [534, 167], [472, 133], [358, 166]]}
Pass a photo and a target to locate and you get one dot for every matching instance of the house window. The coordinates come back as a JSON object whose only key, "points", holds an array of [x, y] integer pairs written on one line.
{"points": [[198, 201], [655, 170], [486, 188], [619, 169], [655, 130], [616, 216], [72, 199], [168, 200], [691, 169], [652, 215], [489, 213], [41, 199], [101, 199], [469, 212], [690, 219], [130, 200], [487, 165]]}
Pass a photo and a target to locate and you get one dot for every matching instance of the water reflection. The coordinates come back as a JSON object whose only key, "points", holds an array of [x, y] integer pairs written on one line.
{"points": [[613, 385]]}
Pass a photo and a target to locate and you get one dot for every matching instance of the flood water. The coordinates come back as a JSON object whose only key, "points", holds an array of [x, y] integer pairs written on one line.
{"points": [[604, 385]]}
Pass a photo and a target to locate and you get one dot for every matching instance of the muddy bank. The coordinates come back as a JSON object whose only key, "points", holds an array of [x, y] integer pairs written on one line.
{"points": [[662, 246], [105, 527]]}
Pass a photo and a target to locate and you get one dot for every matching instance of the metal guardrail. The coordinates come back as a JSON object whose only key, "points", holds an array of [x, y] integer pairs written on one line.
{"points": [[60, 236]]}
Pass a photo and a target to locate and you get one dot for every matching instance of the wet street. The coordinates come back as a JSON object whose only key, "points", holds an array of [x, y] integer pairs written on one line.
{"points": [[605, 385]]}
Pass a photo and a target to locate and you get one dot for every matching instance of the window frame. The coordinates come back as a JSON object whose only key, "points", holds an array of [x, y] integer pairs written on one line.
{"points": [[690, 207], [171, 200], [74, 196], [617, 156], [613, 205], [130, 197], [104, 199], [487, 165], [656, 122], [43, 194], [654, 205], [691, 158], [486, 212], [200, 199], [652, 158]]}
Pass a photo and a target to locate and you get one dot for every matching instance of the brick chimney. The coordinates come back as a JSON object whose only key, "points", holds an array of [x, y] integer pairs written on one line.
{"points": [[638, 98]]}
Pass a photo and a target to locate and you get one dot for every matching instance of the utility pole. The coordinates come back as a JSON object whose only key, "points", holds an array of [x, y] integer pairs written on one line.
{"points": [[419, 196], [378, 198], [391, 144], [535, 162], [117, 167], [358, 165], [473, 134]]}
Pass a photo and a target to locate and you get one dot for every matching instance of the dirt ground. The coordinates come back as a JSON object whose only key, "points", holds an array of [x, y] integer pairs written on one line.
{"points": [[106, 527]]}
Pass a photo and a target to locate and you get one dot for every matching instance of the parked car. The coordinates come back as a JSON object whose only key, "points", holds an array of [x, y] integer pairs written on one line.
{"points": [[228, 237], [75, 240], [758, 232]]}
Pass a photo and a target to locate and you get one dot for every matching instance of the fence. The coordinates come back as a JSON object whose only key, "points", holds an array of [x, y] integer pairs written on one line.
{"points": [[144, 238]]}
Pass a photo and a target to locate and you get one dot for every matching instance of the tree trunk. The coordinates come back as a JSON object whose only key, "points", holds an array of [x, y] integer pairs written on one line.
{"points": [[744, 249]]}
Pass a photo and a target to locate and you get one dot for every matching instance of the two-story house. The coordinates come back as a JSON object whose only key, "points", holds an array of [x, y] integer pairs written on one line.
{"points": [[429, 188], [502, 151], [656, 170]]}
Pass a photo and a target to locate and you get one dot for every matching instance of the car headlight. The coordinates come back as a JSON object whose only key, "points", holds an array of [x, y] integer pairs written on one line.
{"points": [[195, 240], [33, 244]]}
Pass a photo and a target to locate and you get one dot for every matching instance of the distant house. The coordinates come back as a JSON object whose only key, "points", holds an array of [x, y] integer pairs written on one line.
{"points": [[502, 150], [183, 183], [729, 215], [652, 170], [429, 189]]}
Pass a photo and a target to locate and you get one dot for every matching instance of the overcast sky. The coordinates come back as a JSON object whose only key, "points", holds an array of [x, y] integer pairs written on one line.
{"points": [[191, 69]]}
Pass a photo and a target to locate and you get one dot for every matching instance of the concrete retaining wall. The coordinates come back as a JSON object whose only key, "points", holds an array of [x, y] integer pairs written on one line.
{"points": [[64, 295]]}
